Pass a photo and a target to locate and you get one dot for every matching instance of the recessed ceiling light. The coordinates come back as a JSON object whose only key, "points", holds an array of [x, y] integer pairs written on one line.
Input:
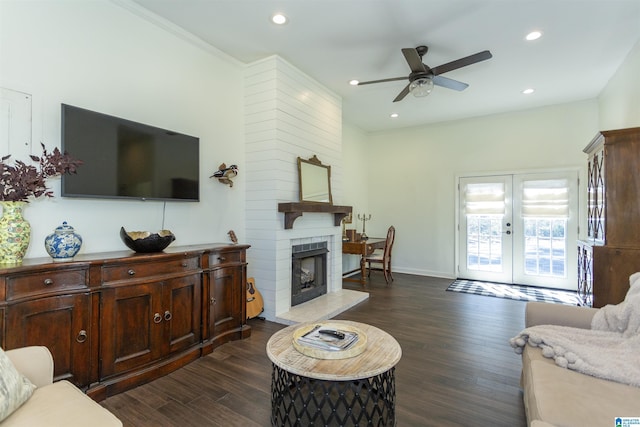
{"points": [[354, 82], [279, 19], [393, 115], [528, 91], [533, 35]]}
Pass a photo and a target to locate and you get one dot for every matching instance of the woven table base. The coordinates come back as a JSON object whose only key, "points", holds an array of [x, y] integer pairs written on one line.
{"points": [[302, 401]]}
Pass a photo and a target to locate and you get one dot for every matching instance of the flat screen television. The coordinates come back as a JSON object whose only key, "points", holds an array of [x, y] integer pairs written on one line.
{"points": [[128, 160]]}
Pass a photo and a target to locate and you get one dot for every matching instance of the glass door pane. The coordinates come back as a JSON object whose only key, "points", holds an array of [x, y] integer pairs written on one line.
{"points": [[546, 207], [485, 228], [484, 243]]}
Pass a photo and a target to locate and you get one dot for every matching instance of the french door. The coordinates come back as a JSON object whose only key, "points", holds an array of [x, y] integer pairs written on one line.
{"points": [[519, 228]]}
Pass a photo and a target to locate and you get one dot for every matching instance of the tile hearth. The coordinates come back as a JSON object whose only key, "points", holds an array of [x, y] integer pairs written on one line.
{"points": [[322, 308]]}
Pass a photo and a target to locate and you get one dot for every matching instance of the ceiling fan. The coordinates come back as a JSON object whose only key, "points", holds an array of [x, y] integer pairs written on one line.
{"points": [[422, 78]]}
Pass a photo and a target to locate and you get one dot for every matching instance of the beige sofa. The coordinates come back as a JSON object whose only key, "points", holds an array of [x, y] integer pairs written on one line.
{"points": [[555, 396], [53, 404]]}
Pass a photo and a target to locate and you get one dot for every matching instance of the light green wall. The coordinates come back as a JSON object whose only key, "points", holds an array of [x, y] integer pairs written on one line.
{"points": [[355, 181], [619, 102], [415, 172], [101, 56]]}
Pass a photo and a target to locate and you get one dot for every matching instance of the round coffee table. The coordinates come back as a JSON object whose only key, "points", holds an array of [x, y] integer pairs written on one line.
{"points": [[355, 391]]}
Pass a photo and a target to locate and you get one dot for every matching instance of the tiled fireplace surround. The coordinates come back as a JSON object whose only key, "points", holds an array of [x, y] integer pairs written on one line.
{"points": [[289, 115], [326, 306]]}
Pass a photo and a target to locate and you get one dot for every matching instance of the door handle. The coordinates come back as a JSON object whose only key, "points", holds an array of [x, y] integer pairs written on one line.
{"points": [[508, 224]]}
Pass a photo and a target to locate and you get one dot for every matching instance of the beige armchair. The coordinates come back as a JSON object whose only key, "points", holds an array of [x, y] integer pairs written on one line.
{"points": [[53, 404]]}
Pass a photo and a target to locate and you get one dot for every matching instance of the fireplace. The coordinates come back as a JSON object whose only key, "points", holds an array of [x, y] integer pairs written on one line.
{"points": [[308, 271]]}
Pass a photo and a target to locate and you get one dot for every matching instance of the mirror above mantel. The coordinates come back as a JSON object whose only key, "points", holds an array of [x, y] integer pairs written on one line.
{"points": [[314, 180]]}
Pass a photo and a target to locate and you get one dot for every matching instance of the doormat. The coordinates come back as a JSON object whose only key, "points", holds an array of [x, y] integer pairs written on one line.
{"points": [[516, 292]]}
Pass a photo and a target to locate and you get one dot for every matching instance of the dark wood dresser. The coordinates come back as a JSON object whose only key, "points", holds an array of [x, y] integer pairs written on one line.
{"points": [[119, 319]]}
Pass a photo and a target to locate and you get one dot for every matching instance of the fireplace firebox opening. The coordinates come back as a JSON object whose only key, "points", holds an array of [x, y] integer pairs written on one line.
{"points": [[308, 272]]}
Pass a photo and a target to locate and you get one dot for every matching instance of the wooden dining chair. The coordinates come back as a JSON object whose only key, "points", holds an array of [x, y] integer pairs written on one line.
{"points": [[383, 257]]}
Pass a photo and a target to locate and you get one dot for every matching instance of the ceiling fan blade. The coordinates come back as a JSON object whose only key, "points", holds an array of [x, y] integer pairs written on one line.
{"points": [[402, 94], [462, 62], [414, 60], [449, 83], [382, 81]]}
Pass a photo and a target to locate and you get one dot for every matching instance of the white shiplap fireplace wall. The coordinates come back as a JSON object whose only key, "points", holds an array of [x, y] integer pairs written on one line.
{"points": [[287, 115]]}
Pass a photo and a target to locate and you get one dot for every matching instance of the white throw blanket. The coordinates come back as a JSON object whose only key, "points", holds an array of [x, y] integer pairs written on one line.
{"points": [[610, 350], [623, 317]]}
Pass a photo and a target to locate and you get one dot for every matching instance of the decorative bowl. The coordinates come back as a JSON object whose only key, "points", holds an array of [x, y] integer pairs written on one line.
{"points": [[144, 241]]}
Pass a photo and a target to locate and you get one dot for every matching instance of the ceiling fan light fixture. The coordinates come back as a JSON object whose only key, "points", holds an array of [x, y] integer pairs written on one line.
{"points": [[421, 87]]}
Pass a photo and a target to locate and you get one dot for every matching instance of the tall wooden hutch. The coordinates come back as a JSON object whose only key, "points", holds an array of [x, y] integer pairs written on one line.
{"points": [[611, 252]]}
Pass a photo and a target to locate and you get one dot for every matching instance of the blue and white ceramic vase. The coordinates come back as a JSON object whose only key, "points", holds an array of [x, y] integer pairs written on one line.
{"points": [[63, 244]]}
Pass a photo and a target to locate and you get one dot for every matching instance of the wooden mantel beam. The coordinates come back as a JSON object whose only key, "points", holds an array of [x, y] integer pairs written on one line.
{"points": [[294, 210]]}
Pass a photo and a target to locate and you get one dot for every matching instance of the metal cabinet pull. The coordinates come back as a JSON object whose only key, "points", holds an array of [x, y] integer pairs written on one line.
{"points": [[157, 318], [185, 265], [82, 336], [167, 315], [212, 300], [48, 282], [131, 272], [221, 259]]}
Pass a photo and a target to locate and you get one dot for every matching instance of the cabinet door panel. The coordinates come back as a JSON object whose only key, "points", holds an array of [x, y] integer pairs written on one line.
{"points": [[224, 306], [30, 323], [182, 302], [622, 205], [611, 270], [131, 327]]}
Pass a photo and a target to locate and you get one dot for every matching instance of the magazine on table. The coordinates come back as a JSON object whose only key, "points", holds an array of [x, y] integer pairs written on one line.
{"points": [[324, 338]]}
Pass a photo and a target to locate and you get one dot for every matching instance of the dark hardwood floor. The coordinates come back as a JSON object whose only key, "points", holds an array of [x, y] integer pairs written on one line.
{"points": [[457, 368]]}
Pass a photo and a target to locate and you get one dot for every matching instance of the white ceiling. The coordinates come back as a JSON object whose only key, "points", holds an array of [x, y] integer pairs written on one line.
{"points": [[334, 41]]}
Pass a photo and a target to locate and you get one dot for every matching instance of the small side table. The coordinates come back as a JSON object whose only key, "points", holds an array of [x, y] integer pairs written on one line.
{"points": [[357, 391]]}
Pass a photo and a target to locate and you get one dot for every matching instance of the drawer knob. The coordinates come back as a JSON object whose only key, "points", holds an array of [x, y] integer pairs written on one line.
{"points": [[48, 282], [131, 272], [157, 318], [212, 300], [221, 259], [167, 315], [185, 265], [82, 336]]}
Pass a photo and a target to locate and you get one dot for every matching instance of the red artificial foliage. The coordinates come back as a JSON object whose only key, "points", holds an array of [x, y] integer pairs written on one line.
{"points": [[20, 181]]}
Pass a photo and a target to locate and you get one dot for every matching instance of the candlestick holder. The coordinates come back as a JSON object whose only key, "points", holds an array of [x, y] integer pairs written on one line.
{"points": [[364, 218]]}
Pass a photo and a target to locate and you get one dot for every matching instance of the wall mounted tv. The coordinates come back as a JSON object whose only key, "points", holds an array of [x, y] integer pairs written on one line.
{"points": [[128, 160]]}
